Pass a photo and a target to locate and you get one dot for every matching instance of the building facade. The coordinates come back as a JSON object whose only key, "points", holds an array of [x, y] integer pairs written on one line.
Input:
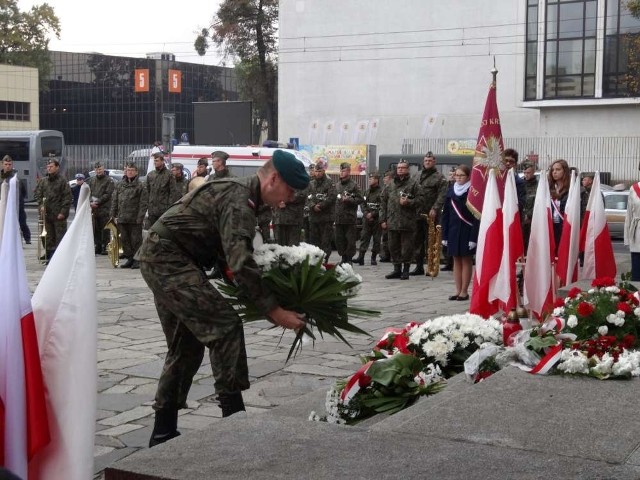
{"points": [[387, 73], [18, 98]]}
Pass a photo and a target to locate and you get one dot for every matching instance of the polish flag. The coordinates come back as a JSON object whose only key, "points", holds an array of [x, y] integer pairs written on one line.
{"points": [[539, 291], [567, 266], [488, 253], [65, 309], [505, 288], [595, 240], [24, 428]]}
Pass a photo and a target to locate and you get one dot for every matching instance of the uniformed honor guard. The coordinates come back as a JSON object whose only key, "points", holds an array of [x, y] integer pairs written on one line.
{"points": [[322, 203], [347, 201], [371, 230]]}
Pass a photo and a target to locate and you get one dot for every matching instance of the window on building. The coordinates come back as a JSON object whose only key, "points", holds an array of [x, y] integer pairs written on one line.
{"points": [[577, 50], [16, 111]]}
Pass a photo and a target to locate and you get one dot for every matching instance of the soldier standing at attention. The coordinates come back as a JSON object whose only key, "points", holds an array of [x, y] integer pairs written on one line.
{"points": [[530, 183], [102, 187], [385, 256], [288, 218], [177, 170], [6, 174], [213, 223], [370, 221], [400, 201], [434, 188], [219, 162], [128, 206], [53, 195], [347, 203], [161, 190], [321, 202], [200, 175]]}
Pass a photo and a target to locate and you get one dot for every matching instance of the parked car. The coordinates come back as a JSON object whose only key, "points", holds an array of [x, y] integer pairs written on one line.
{"points": [[117, 175], [615, 208]]}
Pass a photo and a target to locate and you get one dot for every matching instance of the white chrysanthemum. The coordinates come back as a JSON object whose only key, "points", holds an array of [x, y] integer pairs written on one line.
{"points": [[628, 364], [636, 311], [572, 321], [612, 318], [592, 290], [612, 289], [573, 361], [603, 330], [346, 274], [558, 311], [603, 366]]}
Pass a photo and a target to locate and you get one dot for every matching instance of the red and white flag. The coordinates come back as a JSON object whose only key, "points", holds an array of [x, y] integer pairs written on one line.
{"points": [[488, 253], [23, 416], [65, 309], [505, 288], [567, 266], [488, 155], [539, 290], [595, 240]]}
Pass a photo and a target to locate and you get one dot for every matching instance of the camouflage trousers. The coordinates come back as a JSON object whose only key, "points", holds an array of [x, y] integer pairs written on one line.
{"points": [[100, 236], [288, 235], [194, 315], [370, 231], [384, 244], [320, 234], [55, 231], [346, 239], [131, 237], [401, 245]]}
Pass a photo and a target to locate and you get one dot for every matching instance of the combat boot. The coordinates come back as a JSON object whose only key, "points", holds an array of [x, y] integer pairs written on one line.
{"points": [[165, 426], [359, 259], [396, 272], [419, 270], [385, 258], [127, 264], [405, 271], [230, 403], [135, 265], [373, 259]]}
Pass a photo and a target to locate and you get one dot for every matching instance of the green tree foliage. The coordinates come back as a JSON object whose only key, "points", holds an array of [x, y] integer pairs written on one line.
{"points": [[246, 32], [24, 37]]}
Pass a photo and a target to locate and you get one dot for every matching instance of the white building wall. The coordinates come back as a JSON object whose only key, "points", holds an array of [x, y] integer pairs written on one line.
{"points": [[401, 62], [20, 84]]}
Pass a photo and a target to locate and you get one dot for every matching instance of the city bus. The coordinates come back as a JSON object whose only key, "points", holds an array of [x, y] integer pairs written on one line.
{"points": [[30, 151]]}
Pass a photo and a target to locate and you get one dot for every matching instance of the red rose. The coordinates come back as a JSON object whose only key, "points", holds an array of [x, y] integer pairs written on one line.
{"points": [[558, 302], [625, 307], [573, 293], [585, 309], [603, 282], [628, 341], [364, 381]]}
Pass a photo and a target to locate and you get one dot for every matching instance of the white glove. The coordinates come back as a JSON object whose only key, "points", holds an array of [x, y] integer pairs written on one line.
{"points": [[444, 243], [472, 245]]}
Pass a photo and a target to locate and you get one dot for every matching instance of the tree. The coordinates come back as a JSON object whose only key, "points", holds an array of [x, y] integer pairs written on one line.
{"points": [[246, 31], [24, 37]]}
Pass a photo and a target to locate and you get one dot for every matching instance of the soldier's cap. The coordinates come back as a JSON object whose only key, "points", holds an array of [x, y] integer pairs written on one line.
{"points": [[290, 169], [79, 176], [374, 174], [7, 158], [319, 165], [589, 174], [131, 165], [177, 165], [97, 165], [54, 162], [430, 154], [158, 155], [526, 165], [345, 165], [203, 161]]}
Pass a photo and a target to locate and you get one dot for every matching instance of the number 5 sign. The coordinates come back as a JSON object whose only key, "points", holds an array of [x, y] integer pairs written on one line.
{"points": [[141, 80], [175, 81]]}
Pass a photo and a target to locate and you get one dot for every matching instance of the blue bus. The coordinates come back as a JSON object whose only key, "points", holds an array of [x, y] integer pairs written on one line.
{"points": [[30, 151]]}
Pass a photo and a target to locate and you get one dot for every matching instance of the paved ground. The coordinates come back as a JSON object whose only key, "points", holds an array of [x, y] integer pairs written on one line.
{"points": [[131, 349]]}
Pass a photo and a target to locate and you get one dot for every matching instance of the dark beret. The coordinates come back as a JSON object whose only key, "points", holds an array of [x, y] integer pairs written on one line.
{"points": [[375, 174], [179, 166], [345, 165], [290, 169], [203, 161], [319, 165], [97, 165]]}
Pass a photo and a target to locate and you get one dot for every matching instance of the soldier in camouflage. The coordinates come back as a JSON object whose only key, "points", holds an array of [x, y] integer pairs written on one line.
{"points": [[161, 190], [288, 218], [263, 221], [347, 203], [102, 187], [385, 255], [177, 170], [530, 183], [434, 188], [128, 206], [219, 162], [54, 197], [400, 201], [214, 223], [371, 220], [321, 202]]}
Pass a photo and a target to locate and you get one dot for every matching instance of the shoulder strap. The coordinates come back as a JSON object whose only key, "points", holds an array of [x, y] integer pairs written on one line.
{"points": [[636, 188]]}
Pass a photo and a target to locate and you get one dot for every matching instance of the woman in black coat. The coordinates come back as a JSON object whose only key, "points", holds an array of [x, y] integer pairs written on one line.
{"points": [[559, 178], [460, 232]]}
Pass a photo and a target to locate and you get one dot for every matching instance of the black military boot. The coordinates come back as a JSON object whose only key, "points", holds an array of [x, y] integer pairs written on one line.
{"points": [[230, 403], [385, 258], [127, 264], [359, 259], [373, 259], [419, 270], [405, 271], [135, 265], [396, 272], [165, 426]]}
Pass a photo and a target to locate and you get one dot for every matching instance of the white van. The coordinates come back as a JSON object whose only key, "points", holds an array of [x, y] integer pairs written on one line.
{"points": [[243, 161]]}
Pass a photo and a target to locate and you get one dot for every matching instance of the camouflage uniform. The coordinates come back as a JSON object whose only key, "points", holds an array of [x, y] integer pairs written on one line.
{"points": [[264, 223], [434, 188], [181, 186], [530, 188], [321, 223], [371, 227], [401, 220], [224, 173], [57, 192], [346, 216], [128, 206], [101, 192], [212, 224], [287, 221], [161, 193]]}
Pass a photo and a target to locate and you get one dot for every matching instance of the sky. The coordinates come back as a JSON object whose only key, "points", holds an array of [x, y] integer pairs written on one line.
{"points": [[132, 28]]}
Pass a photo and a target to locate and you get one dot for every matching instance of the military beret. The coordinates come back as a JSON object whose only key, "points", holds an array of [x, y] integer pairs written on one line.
{"points": [[131, 165], [97, 165], [345, 165], [203, 161], [177, 165], [290, 169], [54, 162], [589, 174], [374, 174], [320, 165]]}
